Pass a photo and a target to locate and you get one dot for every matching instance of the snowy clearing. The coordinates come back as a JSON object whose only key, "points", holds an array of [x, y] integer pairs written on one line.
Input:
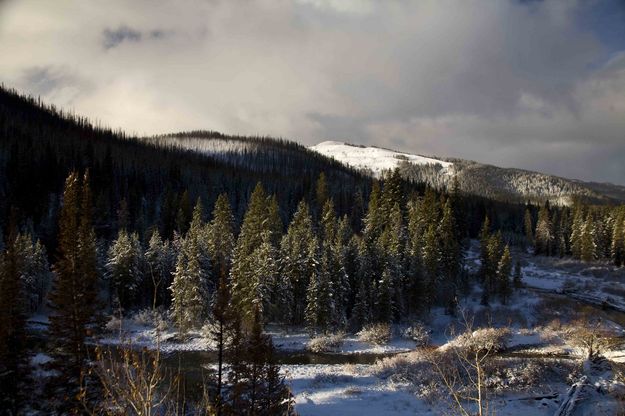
{"points": [[374, 159]]}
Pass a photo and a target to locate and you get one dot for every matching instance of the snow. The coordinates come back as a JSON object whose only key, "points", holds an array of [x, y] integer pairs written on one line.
{"points": [[375, 159], [349, 390], [298, 340]]}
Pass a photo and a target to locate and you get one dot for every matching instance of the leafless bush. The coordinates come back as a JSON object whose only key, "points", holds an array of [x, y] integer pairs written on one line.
{"points": [[151, 317], [591, 336], [418, 333], [326, 343], [379, 334], [329, 379]]}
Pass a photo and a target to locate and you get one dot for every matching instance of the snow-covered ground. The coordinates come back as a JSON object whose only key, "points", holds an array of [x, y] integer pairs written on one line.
{"points": [[374, 159], [349, 390], [536, 317]]}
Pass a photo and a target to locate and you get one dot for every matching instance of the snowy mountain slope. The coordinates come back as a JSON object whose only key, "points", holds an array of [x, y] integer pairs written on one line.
{"points": [[475, 178], [375, 159], [506, 184]]}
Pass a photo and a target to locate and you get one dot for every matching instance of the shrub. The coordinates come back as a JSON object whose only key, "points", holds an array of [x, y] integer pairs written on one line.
{"points": [[326, 343], [418, 333], [330, 378], [113, 325], [483, 339], [151, 317], [379, 334]]}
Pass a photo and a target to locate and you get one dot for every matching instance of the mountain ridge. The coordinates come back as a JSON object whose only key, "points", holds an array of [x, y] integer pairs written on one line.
{"points": [[510, 184]]}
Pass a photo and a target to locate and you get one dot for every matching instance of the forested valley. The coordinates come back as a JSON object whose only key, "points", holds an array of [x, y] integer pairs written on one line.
{"points": [[98, 226]]}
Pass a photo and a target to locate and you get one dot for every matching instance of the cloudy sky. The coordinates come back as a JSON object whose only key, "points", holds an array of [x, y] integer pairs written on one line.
{"points": [[531, 84]]}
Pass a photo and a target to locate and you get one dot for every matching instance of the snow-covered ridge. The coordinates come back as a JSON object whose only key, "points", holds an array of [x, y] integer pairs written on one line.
{"points": [[375, 159]]}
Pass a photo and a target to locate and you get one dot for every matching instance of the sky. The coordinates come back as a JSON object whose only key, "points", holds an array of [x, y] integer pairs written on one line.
{"points": [[532, 84]]}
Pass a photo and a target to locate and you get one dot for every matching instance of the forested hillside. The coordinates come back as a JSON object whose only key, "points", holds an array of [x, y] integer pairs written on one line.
{"points": [[227, 234]]}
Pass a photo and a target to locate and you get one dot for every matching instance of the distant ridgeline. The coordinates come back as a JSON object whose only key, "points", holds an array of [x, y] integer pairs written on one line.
{"points": [[149, 182], [154, 178], [504, 184], [509, 184]]}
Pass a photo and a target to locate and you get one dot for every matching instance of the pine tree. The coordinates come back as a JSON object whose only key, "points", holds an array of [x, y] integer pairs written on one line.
{"points": [[518, 275], [299, 258], [451, 256], [264, 278], [392, 243], [321, 190], [361, 312], [384, 298], [274, 222], [576, 230], [256, 387], [189, 293], [242, 274], [484, 239], [190, 289], [340, 271], [494, 253], [588, 244], [13, 368], [124, 267], [319, 301], [183, 216], [617, 249], [544, 237], [221, 320], [414, 287], [34, 268], [373, 221], [73, 299], [431, 259], [221, 242], [160, 263], [528, 227], [504, 269]]}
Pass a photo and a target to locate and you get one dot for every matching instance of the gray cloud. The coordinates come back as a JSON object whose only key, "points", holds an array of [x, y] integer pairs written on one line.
{"points": [[513, 83], [112, 38]]}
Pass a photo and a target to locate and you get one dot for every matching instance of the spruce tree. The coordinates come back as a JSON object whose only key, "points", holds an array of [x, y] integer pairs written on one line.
{"points": [[518, 275], [183, 216], [321, 190], [451, 256], [484, 239], [617, 249], [160, 262], [34, 270], [256, 387], [220, 331], [392, 243], [189, 291], [504, 269], [124, 267], [544, 237], [13, 365], [528, 227], [319, 300], [190, 288], [576, 230], [73, 299], [242, 274], [431, 261], [264, 280], [588, 244], [221, 240], [299, 258], [384, 298]]}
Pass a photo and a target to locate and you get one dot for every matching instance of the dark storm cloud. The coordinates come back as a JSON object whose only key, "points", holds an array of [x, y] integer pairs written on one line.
{"points": [[538, 84]]}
